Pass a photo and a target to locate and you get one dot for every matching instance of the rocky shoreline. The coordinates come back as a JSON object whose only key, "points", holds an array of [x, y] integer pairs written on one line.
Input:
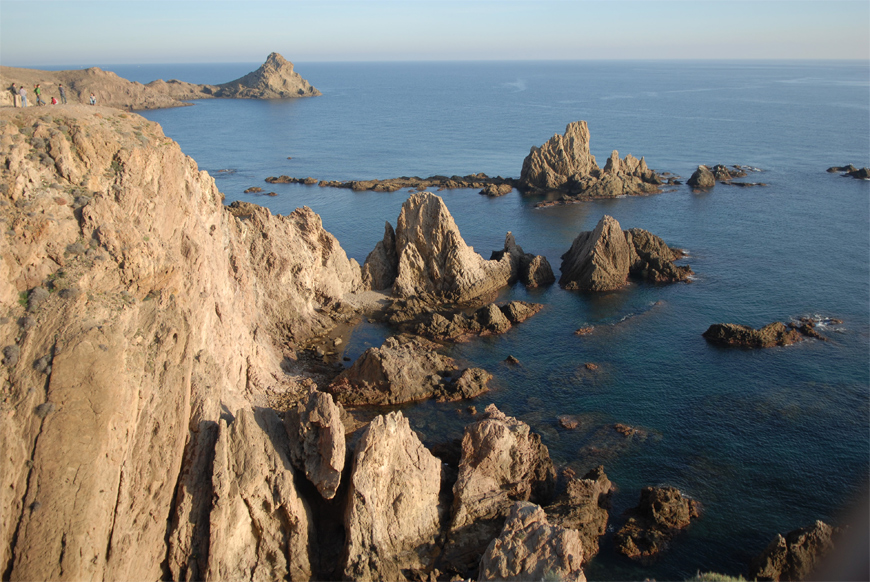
{"points": [[149, 330]]}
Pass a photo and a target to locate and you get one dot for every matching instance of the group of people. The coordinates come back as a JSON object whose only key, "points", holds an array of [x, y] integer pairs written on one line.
{"points": [[19, 96]]}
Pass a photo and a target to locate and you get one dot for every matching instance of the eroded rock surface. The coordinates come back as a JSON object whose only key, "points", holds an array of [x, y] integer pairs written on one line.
{"points": [[275, 79], [529, 548], [772, 334], [490, 319], [502, 462], [603, 259], [661, 513], [261, 528], [564, 164], [795, 556], [405, 369], [584, 506], [168, 307], [393, 513], [317, 441]]}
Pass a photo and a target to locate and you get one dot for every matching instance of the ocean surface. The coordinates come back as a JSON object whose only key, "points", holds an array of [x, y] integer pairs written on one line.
{"points": [[767, 440]]}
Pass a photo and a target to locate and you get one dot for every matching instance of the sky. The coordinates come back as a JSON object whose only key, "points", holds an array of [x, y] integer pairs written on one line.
{"points": [[76, 32]]}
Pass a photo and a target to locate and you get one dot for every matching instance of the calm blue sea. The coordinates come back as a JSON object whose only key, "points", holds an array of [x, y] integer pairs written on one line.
{"points": [[768, 440]]}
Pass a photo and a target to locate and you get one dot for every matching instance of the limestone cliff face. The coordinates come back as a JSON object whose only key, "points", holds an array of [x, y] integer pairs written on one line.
{"points": [[135, 311], [275, 79]]}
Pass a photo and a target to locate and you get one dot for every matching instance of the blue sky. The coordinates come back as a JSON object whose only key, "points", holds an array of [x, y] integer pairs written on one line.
{"points": [[45, 32]]}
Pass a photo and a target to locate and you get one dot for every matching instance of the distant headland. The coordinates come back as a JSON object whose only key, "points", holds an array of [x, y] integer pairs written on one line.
{"points": [[275, 79]]}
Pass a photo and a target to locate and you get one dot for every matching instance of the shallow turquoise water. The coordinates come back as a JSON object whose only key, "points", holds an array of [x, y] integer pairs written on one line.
{"points": [[767, 440]]}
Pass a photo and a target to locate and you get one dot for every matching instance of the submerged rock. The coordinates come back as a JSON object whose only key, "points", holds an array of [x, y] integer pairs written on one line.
{"points": [[529, 548], [795, 556], [393, 515], [661, 513]]}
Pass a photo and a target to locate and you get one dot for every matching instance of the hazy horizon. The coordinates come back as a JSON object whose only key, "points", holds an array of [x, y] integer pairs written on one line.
{"points": [[36, 33]]}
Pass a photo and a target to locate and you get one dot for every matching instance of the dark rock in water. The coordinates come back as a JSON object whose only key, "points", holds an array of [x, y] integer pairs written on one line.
{"points": [[253, 190], [660, 515], [702, 178], [502, 462], [603, 259], [495, 190], [406, 369], [512, 360], [584, 330], [531, 548], [532, 270], [564, 164], [862, 174], [846, 169], [583, 506], [795, 556], [731, 334]]}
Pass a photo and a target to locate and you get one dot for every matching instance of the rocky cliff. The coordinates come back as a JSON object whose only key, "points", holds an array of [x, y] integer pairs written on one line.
{"points": [[138, 317], [275, 79]]}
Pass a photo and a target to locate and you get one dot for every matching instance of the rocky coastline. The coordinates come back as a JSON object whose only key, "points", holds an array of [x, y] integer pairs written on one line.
{"points": [[149, 330], [274, 79]]}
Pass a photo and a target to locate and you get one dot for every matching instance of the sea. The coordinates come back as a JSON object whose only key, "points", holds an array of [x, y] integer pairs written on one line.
{"points": [[767, 440]]}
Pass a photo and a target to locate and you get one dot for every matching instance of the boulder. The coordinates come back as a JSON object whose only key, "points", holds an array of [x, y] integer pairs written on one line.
{"points": [[598, 260], [393, 514], [260, 527], [583, 506], [317, 443], [860, 174], [732, 334], [529, 548], [660, 515], [795, 556], [404, 369], [434, 261], [495, 190], [536, 271], [702, 178], [381, 266], [652, 259], [502, 462]]}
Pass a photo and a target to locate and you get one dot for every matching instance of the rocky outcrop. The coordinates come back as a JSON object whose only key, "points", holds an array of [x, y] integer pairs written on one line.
{"points": [[317, 441], [532, 270], [394, 514], [495, 190], [406, 369], [603, 259], [167, 309], [432, 259], [564, 164], [583, 506], [487, 320], [496, 186], [795, 556], [732, 334], [851, 171], [502, 462], [661, 513], [273, 80], [529, 548], [702, 178], [261, 527]]}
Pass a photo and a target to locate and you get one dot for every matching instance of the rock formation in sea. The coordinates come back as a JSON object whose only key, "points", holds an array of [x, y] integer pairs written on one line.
{"points": [[157, 315], [406, 369], [502, 462], [851, 171], [430, 258], [490, 186], [275, 79], [661, 513], [453, 325], [564, 164], [772, 334], [394, 507], [795, 555], [705, 177], [603, 259], [583, 505], [530, 548]]}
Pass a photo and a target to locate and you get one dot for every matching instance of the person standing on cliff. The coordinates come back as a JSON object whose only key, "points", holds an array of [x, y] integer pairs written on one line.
{"points": [[38, 92], [14, 95], [23, 93], [62, 94], [93, 99]]}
